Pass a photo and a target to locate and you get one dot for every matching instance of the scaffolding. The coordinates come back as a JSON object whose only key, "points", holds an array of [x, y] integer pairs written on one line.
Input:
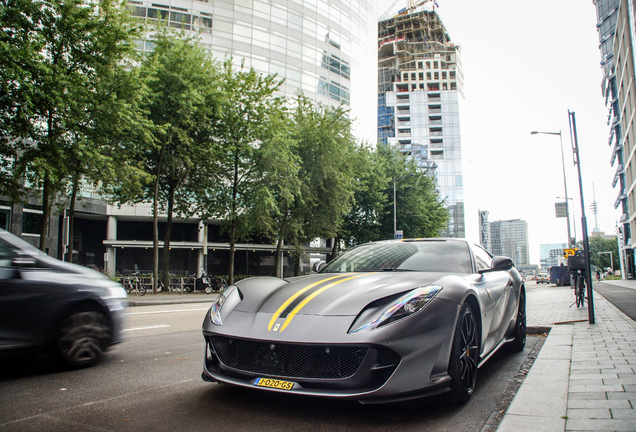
{"points": [[407, 38]]}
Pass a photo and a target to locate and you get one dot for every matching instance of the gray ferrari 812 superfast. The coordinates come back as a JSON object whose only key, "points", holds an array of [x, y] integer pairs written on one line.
{"points": [[384, 322]]}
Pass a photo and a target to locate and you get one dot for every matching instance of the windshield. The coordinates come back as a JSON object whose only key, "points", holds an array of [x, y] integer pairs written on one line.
{"points": [[430, 256]]}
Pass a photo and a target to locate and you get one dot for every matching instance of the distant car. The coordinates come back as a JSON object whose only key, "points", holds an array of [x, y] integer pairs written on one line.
{"points": [[543, 278], [384, 322], [50, 305]]}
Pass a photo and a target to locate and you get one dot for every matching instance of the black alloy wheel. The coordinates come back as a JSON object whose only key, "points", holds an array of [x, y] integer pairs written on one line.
{"points": [[83, 337], [464, 359], [519, 341]]}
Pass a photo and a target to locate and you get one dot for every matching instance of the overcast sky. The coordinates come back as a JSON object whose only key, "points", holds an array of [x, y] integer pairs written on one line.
{"points": [[525, 65]]}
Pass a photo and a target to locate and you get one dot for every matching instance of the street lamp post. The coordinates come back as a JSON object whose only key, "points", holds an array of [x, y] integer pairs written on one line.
{"points": [[395, 179], [586, 241], [565, 184]]}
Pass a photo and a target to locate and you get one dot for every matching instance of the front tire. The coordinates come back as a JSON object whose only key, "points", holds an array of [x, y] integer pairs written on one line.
{"points": [[464, 359], [519, 341], [83, 337]]}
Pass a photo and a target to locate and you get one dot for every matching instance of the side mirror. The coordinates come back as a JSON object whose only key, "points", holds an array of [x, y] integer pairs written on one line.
{"points": [[499, 263], [24, 262], [318, 265]]}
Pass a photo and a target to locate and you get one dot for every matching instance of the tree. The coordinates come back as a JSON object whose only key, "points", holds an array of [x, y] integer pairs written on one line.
{"points": [[364, 221], [249, 146], [183, 99], [326, 149], [600, 244], [420, 209], [53, 54]]}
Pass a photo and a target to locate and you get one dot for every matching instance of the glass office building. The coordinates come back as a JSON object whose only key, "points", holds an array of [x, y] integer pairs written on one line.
{"points": [[322, 48], [510, 238], [420, 88]]}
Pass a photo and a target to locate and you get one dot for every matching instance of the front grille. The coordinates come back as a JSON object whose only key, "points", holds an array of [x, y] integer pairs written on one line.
{"points": [[289, 360]]}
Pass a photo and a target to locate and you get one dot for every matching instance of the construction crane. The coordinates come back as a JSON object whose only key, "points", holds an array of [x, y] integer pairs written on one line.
{"points": [[412, 5]]}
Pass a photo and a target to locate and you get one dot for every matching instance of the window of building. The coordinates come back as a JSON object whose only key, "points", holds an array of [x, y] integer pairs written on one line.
{"points": [[443, 75], [421, 76], [405, 76], [420, 65], [413, 86], [413, 76], [5, 216], [31, 222], [436, 75], [428, 65], [435, 65], [429, 76]]}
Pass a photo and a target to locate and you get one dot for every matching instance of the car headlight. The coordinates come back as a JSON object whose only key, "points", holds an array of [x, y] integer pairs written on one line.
{"points": [[224, 304], [406, 305]]}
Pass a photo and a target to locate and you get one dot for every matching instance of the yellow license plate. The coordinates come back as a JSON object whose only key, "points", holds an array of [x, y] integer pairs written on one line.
{"points": [[274, 383]]}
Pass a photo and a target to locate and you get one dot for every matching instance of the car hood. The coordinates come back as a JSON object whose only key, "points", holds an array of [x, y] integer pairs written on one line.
{"points": [[327, 294]]}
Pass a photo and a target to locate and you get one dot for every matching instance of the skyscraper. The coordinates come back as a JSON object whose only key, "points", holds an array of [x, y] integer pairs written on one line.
{"points": [[510, 238], [615, 32], [484, 230], [420, 84], [323, 48]]}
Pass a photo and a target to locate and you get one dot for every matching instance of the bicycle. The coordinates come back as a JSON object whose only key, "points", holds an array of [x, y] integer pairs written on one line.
{"points": [[137, 286], [579, 288]]}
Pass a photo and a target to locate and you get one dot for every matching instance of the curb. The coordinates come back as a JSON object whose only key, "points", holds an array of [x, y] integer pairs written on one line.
{"points": [[133, 303]]}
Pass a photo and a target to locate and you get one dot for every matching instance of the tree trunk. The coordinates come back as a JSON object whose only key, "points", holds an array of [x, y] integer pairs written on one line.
{"points": [[279, 247], [71, 215], [46, 212], [334, 249], [297, 265], [166, 238], [232, 243], [233, 221], [155, 228]]}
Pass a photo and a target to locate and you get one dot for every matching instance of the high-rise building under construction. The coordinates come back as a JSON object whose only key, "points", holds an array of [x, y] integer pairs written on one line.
{"points": [[419, 93]]}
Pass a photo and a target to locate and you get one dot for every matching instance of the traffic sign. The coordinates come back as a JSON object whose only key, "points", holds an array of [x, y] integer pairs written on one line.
{"points": [[569, 252]]}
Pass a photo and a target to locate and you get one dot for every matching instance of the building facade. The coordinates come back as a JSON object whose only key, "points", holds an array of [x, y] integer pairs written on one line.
{"points": [[420, 88], [616, 30], [323, 48], [484, 230], [510, 238], [551, 255]]}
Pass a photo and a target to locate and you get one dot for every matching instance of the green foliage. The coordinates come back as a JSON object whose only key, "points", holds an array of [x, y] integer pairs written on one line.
{"points": [[420, 210], [250, 152], [327, 153], [54, 59], [600, 244]]}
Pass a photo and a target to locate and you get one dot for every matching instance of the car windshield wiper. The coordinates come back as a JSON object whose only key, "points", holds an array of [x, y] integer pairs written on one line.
{"points": [[393, 269]]}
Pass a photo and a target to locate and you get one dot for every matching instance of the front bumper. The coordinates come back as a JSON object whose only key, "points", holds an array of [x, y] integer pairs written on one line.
{"points": [[401, 361]]}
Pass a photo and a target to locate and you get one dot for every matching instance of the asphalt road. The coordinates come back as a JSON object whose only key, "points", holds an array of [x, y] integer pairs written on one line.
{"points": [[152, 382], [623, 298]]}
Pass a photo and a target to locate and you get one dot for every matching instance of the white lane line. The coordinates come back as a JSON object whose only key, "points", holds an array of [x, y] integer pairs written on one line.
{"points": [[147, 328], [166, 311]]}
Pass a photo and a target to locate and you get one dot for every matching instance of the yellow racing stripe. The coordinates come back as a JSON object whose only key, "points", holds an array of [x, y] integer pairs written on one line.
{"points": [[312, 296], [295, 296]]}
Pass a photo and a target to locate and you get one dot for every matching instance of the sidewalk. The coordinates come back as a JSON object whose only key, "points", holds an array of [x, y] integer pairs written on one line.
{"points": [[584, 378], [167, 299]]}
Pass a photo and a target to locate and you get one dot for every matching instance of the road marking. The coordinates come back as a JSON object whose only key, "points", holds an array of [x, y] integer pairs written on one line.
{"points": [[147, 328], [167, 311]]}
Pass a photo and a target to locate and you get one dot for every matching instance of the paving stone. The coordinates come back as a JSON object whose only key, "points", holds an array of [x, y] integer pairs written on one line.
{"points": [[631, 396], [599, 425], [589, 413], [581, 376], [624, 413], [596, 403], [595, 388]]}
